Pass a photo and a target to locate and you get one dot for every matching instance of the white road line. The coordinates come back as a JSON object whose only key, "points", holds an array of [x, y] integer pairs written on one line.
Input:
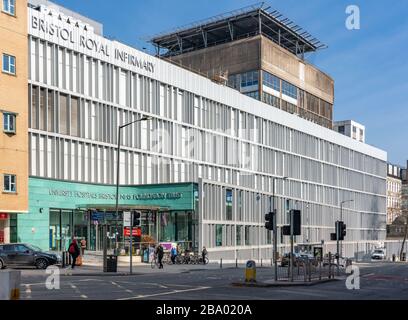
{"points": [[28, 291], [164, 293]]}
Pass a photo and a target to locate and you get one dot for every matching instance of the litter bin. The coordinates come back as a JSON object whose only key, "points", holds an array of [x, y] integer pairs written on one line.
{"points": [[393, 257], [112, 263]]}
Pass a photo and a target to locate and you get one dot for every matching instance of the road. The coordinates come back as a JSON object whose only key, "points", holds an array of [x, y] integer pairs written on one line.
{"points": [[379, 280]]}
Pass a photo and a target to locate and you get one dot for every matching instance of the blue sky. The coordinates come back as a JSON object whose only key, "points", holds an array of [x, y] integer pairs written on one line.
{"points": [[369, 66]]}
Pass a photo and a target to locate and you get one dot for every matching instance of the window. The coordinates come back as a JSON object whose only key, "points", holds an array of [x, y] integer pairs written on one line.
{"points": [[228, 204], [9, 6], [239, 235], [270, 99], [253, 94], [271, 81], [9, 183], [9, 122], [341, 129], [247, 242], [249, 79], [63, 114], [9, 64], [218, 235], [289, 89]]}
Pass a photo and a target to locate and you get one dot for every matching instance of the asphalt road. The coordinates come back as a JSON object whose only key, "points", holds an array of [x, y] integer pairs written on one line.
{"points": [[378, 280]]}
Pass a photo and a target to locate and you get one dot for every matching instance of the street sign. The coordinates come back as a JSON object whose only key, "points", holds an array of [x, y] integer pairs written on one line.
{"points": [[127, 218], [136, 232]]}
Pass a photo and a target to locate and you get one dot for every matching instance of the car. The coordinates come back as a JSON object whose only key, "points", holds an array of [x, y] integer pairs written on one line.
{"points": [[26, 255], [286, 258], [378, 254]]}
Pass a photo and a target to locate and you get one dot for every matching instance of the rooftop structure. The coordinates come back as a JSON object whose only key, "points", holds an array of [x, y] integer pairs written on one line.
{"points": [[246, 22]]}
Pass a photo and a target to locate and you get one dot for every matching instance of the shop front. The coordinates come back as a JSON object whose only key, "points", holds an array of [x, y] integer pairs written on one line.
{"points": [[60, 211]]}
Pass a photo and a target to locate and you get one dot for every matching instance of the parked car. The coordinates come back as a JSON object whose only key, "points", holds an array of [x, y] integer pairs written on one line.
{"points": [[286, 259], [378, 254], [23, 254]]}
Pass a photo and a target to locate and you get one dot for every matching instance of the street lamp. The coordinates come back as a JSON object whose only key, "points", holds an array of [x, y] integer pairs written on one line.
{"points": [[339, 252], [275, 231], [144, 118]]}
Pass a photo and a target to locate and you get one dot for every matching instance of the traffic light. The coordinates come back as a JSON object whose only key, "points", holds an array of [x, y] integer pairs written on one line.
{"points": [[269, 218], [340, 230], [343, 230], [136, 218], [296, 222]]}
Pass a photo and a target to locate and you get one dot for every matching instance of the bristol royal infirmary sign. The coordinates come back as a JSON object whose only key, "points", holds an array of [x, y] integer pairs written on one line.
{"points": [[71, 35]]}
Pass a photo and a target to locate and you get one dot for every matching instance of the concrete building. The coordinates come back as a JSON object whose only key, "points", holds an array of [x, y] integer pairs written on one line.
{"points": [[351, 129], [14, 116], [260, 53], [202, 171]]}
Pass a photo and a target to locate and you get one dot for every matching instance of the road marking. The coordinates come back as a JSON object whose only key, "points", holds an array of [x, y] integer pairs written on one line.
{"points": [[302, 293], [164, 293], [28, 291]]}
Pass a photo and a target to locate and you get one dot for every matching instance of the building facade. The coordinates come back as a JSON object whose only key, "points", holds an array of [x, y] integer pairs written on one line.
{"points": [[14, 116], [351, 129], [394, 184], [202, 170]]}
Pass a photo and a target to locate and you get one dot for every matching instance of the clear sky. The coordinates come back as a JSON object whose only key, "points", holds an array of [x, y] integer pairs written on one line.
{"points": [[369, 66]]}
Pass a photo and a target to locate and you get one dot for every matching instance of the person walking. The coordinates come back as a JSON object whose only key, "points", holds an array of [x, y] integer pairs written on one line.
{"points": [[159, 254], [83, 246], [204, 254], [173, 254], [73, 250]]}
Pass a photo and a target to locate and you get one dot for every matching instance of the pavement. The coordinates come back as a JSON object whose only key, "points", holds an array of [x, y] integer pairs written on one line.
{"points": [[378, 280]]}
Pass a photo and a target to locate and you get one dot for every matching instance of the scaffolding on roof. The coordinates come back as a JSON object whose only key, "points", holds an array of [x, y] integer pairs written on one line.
{"points": [[246, 22]]}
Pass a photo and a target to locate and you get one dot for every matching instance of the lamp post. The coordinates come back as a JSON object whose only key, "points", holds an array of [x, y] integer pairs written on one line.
{"points": [[144, 118], [339, 250], [275, 231]]}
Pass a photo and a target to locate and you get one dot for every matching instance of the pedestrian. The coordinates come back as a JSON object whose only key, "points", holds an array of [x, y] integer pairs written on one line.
{"points": [[204, 254], [173, 254], [73, 250], [83, 246], [160, 253]]}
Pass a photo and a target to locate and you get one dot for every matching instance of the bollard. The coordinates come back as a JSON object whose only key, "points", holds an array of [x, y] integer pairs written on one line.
{"points": [[221, 263], [320, 270], [236, 263], [250, 271], [10, 285], [330, 265], [261, 263]]}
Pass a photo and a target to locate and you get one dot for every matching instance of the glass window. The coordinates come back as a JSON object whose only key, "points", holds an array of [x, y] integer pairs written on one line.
{"points": [[249, 79], [341, 129], [9, 122], [228, 204], [271, 81], [9, 6], [74, 116], [9, 183], [289, 89], [42, 110], [218, 235], [253, 94], [270, 99], [63, 115], [247, 242], [9, 64], [239, 235], [50, 106]]}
